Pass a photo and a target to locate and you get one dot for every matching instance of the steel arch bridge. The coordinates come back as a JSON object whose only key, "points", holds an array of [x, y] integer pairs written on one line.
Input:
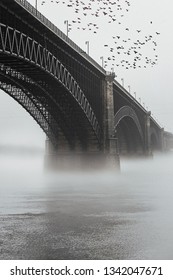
{"points": [[76, 103]]}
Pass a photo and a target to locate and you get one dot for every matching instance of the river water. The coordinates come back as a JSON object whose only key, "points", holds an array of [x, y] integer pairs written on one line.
{"points": [[101, 215]]}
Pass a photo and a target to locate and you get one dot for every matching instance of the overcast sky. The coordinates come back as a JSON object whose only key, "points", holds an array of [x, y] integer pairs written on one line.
{"points": [[135, 23]]}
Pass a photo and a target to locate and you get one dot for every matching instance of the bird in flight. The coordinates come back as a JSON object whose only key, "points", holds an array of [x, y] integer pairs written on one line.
{"points": [[112, 12]]}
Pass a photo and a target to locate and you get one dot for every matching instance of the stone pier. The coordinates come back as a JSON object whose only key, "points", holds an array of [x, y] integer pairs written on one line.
{"points": [[110, 142], [147, 143], [105, 156]]}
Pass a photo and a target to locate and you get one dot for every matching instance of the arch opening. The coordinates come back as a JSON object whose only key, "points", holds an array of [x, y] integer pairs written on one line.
{"points": [[129, 132], [129, 138]]}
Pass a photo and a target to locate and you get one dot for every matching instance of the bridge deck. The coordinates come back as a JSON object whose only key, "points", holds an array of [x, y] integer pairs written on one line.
{"points": [[29, 8]]}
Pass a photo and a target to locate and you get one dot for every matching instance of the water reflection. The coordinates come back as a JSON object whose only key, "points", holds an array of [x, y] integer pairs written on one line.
{"points": [[98, 215]]}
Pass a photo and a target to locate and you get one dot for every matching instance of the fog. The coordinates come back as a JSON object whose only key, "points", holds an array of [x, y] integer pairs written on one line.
{"points": [[84, 215], [90, 215], [79, 215]]}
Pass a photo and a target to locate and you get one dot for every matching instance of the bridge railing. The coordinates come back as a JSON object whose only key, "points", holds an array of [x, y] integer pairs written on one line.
{"points": [[25, 4]]}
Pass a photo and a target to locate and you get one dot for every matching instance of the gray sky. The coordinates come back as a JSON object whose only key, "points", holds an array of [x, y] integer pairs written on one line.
{"points": [[152, 84]]}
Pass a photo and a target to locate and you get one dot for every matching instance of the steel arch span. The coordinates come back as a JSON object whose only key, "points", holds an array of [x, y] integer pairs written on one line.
{"points": [[43, 107], [128, 130], [42, 71], [12, 85], [127, 111]]}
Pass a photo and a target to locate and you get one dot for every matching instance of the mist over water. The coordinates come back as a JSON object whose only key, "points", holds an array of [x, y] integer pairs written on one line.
{"points": [[86, 215]]}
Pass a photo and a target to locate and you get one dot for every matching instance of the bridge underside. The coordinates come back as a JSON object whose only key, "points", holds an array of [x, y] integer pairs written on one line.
{"points": [[48, 103], [42, 85]]}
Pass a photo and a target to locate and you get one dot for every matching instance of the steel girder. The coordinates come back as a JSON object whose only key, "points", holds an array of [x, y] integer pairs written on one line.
{"points": [[25, 102], [127, 111], [51, 110], [15, 44], [30, 104]]}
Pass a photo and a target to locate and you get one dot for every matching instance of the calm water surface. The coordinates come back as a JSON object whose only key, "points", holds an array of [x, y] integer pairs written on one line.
{"points": [[98, 215]]}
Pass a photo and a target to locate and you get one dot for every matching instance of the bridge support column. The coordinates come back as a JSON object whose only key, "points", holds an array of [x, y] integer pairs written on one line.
{"points": [[162, 140], [60, 157], [147, 148], [67, 159], [50, 155], [110, 142]]}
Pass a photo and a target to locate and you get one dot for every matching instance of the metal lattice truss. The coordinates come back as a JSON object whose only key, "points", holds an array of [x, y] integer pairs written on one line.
{"points": [[126, 111], [15, 44], [40, 110], [24, 98], [25, 102]]}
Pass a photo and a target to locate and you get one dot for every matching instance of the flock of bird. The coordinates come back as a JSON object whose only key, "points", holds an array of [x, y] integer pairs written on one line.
{"points": [[132, 51], [123, 51]]}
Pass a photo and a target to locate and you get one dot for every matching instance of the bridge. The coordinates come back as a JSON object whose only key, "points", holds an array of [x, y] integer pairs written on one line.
{"points": [[81, 108]]}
